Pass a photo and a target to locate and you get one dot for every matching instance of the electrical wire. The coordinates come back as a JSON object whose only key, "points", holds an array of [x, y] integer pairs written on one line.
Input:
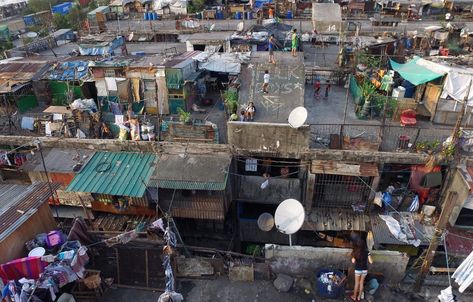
{"points": [[446, 259]]}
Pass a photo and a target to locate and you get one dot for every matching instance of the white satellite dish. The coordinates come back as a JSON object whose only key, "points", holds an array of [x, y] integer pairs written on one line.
{"points": [[240, 26], [297, 117], [289, 217], [265, 222], [212, 27], [31, 35]]}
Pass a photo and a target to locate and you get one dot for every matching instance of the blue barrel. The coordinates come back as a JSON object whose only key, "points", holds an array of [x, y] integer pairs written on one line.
{"points": [[238, 15], [329, 289], [145, 15], [219, 15], [249, 15], [289, 14]]}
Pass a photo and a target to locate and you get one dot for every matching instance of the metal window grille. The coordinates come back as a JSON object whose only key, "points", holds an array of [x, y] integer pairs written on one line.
{"points": [[341, 191], [251, 164]]}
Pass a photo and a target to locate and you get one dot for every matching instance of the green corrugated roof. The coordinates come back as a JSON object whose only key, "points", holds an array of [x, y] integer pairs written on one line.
{"points": [[115, 173], [192, 185]]}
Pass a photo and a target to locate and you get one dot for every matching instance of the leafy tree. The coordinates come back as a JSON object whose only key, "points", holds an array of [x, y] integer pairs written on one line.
{"points": [[76, 16], [196, 6], [5, 45], [40, 5], [61, 21]]}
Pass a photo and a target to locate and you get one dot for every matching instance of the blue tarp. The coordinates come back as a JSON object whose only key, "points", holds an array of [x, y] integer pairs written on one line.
{"points": [[415, 72], [260, 3], [101, 49], [62, 9], [65, 71]]}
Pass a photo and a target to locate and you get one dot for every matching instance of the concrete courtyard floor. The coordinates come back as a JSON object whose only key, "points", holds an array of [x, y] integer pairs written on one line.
{"points": [[224, 290]]}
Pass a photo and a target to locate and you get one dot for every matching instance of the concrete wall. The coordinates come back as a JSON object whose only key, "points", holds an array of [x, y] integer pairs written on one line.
{"points": [[305, 261], [278, 190], [280, 139], [249, 231]]}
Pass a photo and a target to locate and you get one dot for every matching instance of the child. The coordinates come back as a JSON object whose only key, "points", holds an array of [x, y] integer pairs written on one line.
{"points": [[242, 115], [294, 42], [317, 89], [265, 81], [250, 111], [327, 89]]}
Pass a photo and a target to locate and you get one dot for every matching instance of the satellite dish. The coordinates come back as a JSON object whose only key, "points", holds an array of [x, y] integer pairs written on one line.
{"points": [[240, 26], [212, 27], [80, 68], [297, 117], [289, 216], [265, 222]]}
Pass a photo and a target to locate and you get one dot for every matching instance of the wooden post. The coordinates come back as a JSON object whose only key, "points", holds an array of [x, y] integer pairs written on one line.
{"points": [[448, 203], [118, 265], [439, 229], [146, 268]]}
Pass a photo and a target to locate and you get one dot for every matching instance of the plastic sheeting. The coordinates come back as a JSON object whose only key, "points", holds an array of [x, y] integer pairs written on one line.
{"points": [[419, 71], [160, 4], [456, 85], [222, 62]]}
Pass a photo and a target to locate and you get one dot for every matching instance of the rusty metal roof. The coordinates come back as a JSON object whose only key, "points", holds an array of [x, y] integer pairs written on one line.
{"points": [[19, 202], [459, 242], [176, 60], [330, 219], [200, 207], [22, 69], [382, 235], [58, 160]]}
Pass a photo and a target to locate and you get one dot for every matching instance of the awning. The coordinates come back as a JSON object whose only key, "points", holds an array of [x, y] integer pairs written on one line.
{"points": [[200, 207], [194, 172], [115, 173], [419, 71], [337, 168]]}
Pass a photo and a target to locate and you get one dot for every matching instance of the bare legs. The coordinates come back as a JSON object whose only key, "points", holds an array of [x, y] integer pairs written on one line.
{"points": [[359, 285]]}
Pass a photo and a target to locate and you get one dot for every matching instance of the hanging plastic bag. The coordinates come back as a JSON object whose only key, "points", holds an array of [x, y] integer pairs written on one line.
{"points": [[265, 184], [378, 199], [387, 199], [414, 204]]}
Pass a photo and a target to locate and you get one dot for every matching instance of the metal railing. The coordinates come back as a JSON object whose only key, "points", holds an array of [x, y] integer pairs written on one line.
{"points": [[388, 137]]}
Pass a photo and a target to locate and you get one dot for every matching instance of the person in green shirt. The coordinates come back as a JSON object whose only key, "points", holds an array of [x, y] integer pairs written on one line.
{"points": [[294, 42]]}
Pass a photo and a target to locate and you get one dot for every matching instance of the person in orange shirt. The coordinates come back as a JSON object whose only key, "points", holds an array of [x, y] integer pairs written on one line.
{"points": [[271, 13]]}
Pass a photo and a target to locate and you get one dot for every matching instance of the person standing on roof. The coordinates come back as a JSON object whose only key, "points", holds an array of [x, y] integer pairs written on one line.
{"points": [[271, 13], [272, 43], [294, 42], [265, 81]]}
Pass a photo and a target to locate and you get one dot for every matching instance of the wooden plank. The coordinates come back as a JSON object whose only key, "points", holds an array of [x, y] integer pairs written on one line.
{"points": [[336, 168]]}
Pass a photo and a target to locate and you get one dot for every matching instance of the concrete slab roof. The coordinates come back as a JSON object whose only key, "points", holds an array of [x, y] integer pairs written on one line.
{"points": [[286, 86]]}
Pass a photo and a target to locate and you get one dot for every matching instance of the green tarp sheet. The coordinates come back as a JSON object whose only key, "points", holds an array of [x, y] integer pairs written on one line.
{"points": [[415, 73]]}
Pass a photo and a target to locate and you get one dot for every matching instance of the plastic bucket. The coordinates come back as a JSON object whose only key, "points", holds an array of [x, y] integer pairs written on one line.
{"points": [[145, 16], [289, 14], [249, 15], [238, 15], [219, 15]]}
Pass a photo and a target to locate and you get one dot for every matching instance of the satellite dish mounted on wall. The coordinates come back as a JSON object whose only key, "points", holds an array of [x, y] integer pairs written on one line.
{"points": [[289, 217], [212, 27], [240, 26], [265, 222], [297, 117]]}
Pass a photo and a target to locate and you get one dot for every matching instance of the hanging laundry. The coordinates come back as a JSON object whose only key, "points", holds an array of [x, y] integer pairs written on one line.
{"points": [[123, 90], [28, 267], [414, 204], [463, 275], [115, 108], [57, 117], [446, 295], [119, 120], [136, 89], [159, 224], [111, 84], [27, 123]]}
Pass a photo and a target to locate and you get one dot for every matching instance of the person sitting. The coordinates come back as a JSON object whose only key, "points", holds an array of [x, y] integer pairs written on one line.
{"points": [[250, 111], [284, 172], [242, 115]]}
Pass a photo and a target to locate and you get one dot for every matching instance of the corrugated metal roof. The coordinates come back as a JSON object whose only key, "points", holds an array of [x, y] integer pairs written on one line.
{"points": [[191, 185], [194, 172], [115, 173], [458, 243], [16, 210], [58, 160], [382, 235], [330, 219], [175, 61], [201, 208]]}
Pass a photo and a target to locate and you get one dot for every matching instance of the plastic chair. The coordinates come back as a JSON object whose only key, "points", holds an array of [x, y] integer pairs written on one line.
{"points": [[408, 117]]}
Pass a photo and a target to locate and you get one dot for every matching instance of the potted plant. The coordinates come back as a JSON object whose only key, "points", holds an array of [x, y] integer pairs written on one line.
{"points": [[367, 90], [184, 116], [421, 147]]}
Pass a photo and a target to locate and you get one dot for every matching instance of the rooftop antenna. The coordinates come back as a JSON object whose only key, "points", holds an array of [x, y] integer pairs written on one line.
{"points": [[289, 217]]}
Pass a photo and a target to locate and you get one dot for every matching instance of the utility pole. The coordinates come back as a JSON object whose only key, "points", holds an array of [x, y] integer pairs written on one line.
{"points": [[53, 195], [447, 201]]}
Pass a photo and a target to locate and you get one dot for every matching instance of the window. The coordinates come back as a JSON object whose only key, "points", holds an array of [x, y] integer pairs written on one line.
{"points": [[251, 164]]}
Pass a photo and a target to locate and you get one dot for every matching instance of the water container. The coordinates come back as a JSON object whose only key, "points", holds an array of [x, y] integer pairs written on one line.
{"points": [[138, 53], [145, 16], [219, 15], [330, 290], [238, 15], [289, 14], [399, 92]]}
